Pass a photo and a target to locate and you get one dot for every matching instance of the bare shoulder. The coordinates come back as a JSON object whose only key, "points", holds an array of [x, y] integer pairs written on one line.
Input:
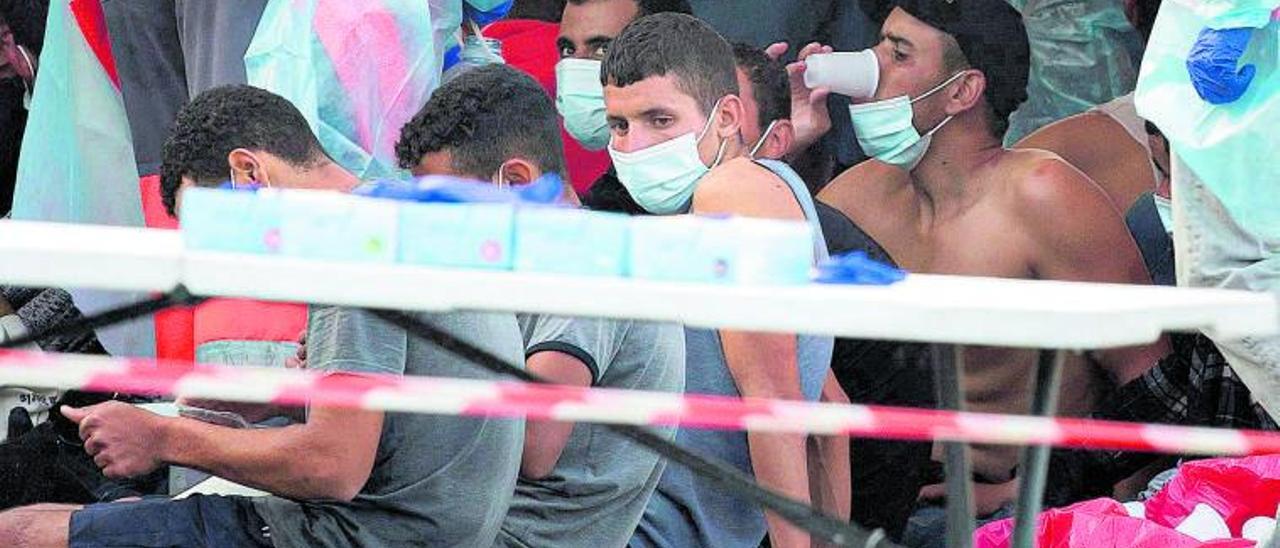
{"points": [[1047, 191], [742, 187], [1039, 178], [863, 185]]}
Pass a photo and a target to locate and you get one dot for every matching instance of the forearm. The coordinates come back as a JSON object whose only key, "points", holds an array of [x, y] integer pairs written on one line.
{"points": [[830, 469], [780, 462], [1124, 365], [283, 461]]}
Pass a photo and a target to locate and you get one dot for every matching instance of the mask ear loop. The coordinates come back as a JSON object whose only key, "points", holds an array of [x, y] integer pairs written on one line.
{"points": [[707, 129], [502, 181], [764, 137]]}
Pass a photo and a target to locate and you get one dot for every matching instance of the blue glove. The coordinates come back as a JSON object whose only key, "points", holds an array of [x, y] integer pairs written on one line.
{"points": [[484, 17], [857, 269], [1212, 65]]}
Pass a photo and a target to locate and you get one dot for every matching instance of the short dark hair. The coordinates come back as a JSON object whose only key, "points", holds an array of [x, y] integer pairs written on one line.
{"points": [[650, 7], [769, 83], [484, 117], [225, 118], [677, 44]]}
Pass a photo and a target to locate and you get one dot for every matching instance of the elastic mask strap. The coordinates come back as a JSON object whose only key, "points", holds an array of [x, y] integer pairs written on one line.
{"points": [[502, 181], [944, 84], [764, 137], [710, 117]]}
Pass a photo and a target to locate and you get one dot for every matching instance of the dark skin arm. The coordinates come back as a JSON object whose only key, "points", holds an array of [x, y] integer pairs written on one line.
{"points": [[545, 440], [329, 457], [763, 365], [1091, 244]]}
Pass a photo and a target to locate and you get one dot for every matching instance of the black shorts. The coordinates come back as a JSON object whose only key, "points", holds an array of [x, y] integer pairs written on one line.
{"points": [[198, 521]]}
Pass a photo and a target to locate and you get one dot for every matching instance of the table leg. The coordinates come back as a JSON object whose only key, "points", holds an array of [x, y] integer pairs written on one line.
{"points": [[948, 362], [1035, 459]]}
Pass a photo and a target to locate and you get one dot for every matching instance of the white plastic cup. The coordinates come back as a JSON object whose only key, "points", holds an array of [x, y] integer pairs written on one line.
{"points": [[855, 74]]}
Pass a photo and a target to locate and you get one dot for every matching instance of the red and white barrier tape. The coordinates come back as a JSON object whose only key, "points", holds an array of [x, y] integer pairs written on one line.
{"points": [[514, 399]]}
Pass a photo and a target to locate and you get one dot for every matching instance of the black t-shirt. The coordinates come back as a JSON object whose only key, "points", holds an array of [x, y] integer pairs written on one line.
{"points": [[886, 474]]}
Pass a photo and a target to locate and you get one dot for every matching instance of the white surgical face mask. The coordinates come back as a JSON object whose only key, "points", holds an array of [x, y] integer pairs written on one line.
{"points": [[580, 101], [763, 137], [885, 132], [662, 178]]}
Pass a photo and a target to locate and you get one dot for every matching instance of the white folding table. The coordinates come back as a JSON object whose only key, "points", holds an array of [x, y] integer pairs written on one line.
{"points": [[1050, 316]]}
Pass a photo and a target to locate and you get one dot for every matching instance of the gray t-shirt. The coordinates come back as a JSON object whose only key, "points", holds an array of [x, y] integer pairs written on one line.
{"points": [[436, 480], [600, 486]]}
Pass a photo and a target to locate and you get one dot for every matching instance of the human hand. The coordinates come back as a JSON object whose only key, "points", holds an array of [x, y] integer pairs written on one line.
{"points": [[123, 440], [809, 114], [5, 308], [299, 359], [1212, 65]]}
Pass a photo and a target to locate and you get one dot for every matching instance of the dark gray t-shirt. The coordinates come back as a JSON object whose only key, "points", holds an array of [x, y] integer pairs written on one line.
{"points": [[437, 480], [600, 486]]}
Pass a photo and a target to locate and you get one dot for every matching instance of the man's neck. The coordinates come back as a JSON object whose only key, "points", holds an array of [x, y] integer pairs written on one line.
{"points": [[732, 149], [326, 176], [944, 176]]}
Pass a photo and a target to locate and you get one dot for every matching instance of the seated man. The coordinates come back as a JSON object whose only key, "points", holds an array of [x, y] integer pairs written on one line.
{"points": [[587, 29], [579, 485], [344, 477], [950, 75], [672, 102], [885, 475]]}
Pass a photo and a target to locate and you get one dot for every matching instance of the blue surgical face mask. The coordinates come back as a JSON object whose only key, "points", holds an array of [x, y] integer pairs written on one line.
{"points": [[662, 178], [580, 101], [885, 132]]}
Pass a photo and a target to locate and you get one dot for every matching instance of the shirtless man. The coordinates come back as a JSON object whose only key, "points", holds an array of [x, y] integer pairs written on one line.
{"points": [[954, 72]]}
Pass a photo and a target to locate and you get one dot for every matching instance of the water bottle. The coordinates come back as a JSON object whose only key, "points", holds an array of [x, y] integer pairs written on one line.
{"points": [[477, 51]]}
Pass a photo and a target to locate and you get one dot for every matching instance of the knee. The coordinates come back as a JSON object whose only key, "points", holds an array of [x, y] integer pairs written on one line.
{"points": [[42, 525]]}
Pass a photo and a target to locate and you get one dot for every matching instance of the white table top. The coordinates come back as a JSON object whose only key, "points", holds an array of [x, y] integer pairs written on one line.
{"points": [[925, 308]]}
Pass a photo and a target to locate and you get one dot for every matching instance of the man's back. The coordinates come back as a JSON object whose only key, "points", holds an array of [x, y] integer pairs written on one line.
{"points": [[686, 509], [437, 480], [602, 481]]}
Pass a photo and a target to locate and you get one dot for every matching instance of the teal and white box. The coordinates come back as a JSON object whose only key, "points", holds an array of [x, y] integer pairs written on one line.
{"points": [[480, 236], [685, 248], [571, 241], [773, 252], [721, 251], [332, 226], [232, 221]]}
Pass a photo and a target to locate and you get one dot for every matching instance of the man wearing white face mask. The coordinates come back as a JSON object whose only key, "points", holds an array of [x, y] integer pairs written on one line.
{"points": [[587, 28], [672, 101], [949, 74]]}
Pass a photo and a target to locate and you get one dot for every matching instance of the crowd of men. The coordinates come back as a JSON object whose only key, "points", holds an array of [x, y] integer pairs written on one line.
{"points": [[691, 124]]}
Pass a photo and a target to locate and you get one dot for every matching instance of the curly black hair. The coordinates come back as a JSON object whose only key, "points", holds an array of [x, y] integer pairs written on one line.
{"points": [[225, 118], [485, 117]]}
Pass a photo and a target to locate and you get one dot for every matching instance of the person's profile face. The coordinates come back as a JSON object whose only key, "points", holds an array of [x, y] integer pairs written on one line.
{"points": [[649, 112], [910, 54], [587, 29]]}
